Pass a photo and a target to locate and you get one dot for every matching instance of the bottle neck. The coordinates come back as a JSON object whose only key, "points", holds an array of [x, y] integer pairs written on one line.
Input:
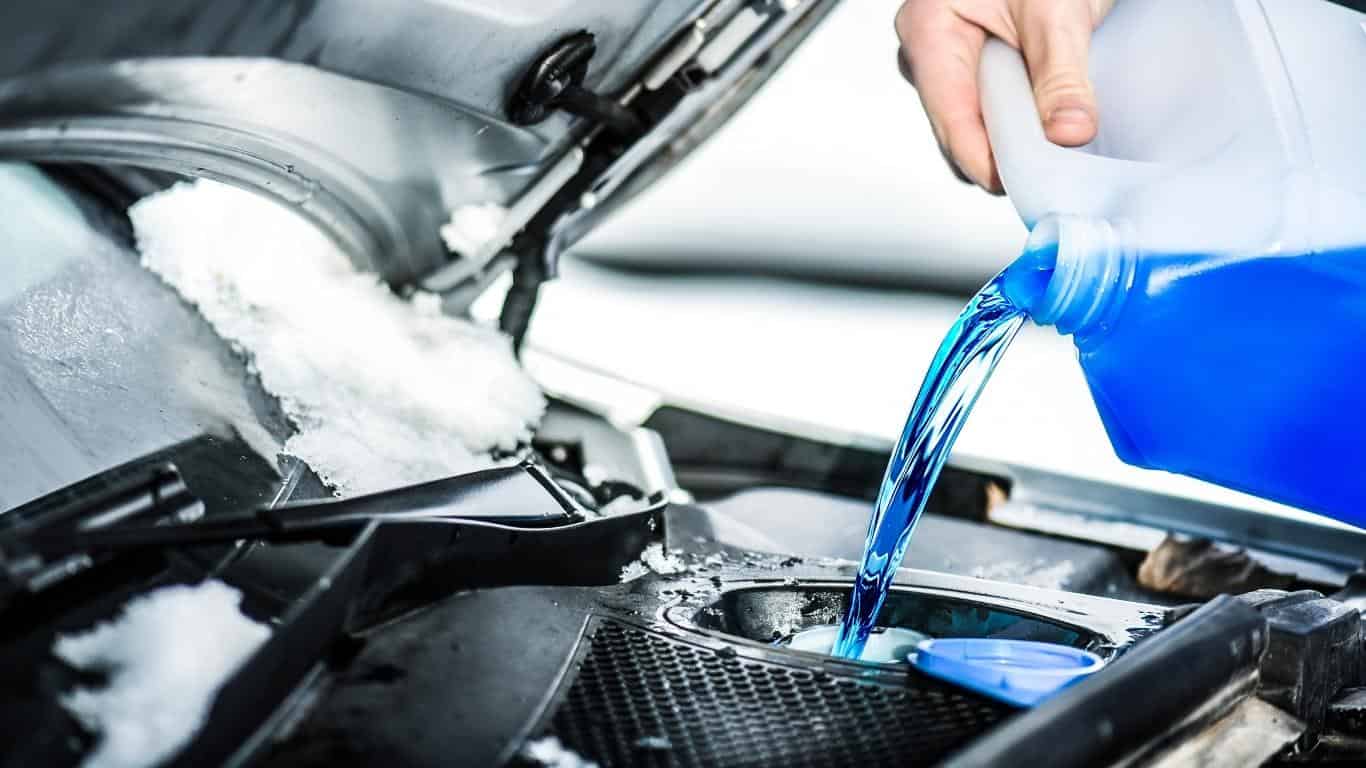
{"points": [[1073, 274]]}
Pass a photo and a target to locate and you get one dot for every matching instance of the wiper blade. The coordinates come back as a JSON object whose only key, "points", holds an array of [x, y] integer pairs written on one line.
{"points": [[150, 507], [131, 494], [496, 496], [134, 491]]}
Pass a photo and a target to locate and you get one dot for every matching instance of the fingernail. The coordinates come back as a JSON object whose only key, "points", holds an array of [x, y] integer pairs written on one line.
{"points": [[1070, 115]]}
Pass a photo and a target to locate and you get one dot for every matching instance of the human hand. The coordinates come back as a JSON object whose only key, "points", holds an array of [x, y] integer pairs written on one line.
{"points": [[941, 46]]}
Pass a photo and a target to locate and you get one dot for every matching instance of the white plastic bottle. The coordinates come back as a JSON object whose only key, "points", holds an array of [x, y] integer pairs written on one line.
{"points": [[1207, 251]]}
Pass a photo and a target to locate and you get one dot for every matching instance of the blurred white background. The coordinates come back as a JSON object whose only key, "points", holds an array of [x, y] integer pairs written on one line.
{"points": [[832, 163], [831, 167]]}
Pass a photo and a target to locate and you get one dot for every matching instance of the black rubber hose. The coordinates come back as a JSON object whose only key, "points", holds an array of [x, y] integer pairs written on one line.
{"points": [[520, 303]]}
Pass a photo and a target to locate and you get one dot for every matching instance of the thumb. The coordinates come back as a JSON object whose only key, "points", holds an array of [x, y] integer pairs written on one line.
{"points": [[1055, 37]]}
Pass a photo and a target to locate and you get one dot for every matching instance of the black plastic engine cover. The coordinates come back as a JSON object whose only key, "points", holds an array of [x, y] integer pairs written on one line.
{"points": [[465, 683], [635, 674]]}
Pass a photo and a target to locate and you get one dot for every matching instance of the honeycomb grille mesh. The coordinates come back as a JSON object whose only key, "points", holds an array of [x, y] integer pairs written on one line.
{"points": [[640, 698]]}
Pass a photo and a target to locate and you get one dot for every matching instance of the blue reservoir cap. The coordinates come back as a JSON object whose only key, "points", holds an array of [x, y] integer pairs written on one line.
{"points": [[1019, 672]]}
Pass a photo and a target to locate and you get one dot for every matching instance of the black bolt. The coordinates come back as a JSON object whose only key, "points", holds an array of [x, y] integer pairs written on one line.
{"points": [[555, 81]]}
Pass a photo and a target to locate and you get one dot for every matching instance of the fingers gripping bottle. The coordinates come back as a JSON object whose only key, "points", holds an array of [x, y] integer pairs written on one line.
{"points": [[1207, 251]]}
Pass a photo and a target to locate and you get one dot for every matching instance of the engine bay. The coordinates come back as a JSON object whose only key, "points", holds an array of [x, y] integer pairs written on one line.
{"points": [[654, 636]]}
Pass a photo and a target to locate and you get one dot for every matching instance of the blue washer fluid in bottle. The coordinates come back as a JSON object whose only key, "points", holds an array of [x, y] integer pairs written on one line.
{"points": [[1206, 251], [1247, 372]]}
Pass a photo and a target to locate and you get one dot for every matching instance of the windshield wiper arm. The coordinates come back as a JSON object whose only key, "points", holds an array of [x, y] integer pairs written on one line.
{"points": [[150, 507]]}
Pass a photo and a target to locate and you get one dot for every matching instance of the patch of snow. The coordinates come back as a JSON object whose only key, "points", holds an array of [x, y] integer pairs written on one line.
{"points": [[655, 743], [622, 505], [662, 562], [633, 570], [1035, 574], [550, 752], [383, 392], [594, 474], [655, 559], [472, 226], [836, 562], [166, 655]]}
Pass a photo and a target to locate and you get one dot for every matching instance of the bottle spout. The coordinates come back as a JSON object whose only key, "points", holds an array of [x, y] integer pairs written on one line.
{"points": [[1072, 275], [1025, 283]]}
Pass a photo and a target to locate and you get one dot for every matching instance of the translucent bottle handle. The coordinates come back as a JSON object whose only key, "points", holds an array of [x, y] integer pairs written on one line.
{"points": [[1041, 177]]}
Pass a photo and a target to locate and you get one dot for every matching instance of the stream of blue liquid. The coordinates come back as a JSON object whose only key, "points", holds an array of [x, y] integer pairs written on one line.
{"points": [[955, 378]]}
